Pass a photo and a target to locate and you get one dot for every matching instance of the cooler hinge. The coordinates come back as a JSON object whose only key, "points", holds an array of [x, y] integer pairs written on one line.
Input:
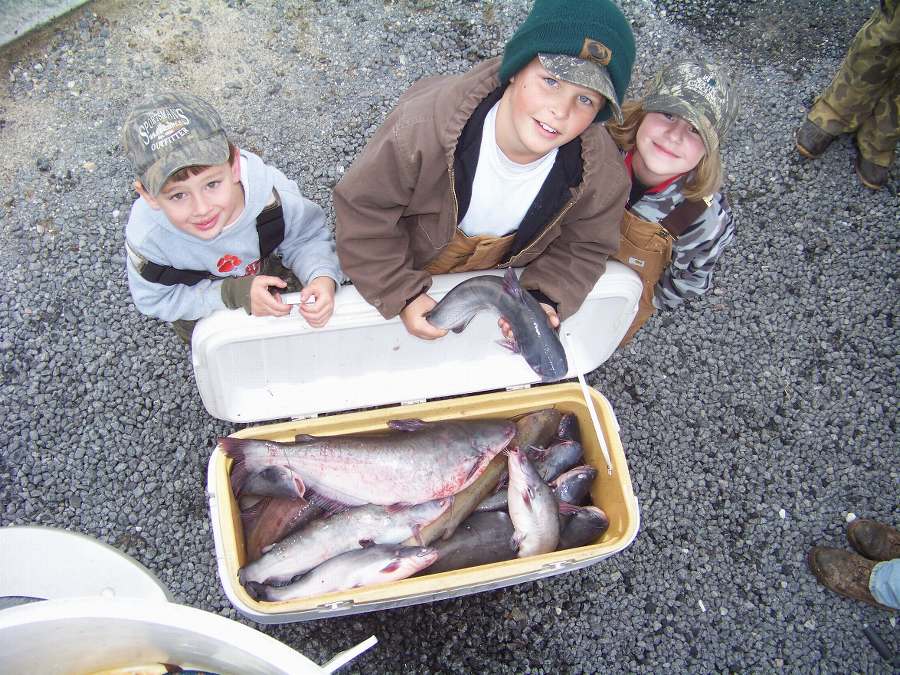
{"points": [[413, 401], [308, 416], [557, 566], [342, 604], [515, 387]]}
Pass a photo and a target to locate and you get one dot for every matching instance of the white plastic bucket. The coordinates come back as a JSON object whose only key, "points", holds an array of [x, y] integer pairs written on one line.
{"points": [[99, 609], [86, 635]]}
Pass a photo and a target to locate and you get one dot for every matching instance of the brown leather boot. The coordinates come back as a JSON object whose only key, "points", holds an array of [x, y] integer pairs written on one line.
{"points": [[811, 140], [874, 540], [843, 572]]}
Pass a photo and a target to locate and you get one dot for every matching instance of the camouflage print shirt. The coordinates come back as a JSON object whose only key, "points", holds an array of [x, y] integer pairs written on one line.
{"points": [[695, 252]]}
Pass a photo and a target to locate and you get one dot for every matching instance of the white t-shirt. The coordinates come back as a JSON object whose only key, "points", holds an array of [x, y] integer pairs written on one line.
{"points": [[502, 190]]}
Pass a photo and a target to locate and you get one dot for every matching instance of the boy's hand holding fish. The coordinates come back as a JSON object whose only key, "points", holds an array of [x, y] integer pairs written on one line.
{"points": [[552, 317], [413, 317]]}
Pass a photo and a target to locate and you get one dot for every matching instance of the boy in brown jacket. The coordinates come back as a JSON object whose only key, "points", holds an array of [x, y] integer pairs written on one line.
{"points": [[505, 165]]}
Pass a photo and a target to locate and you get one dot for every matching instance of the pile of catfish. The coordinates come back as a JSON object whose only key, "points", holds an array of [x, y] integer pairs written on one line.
{"points": [[332, 513]]}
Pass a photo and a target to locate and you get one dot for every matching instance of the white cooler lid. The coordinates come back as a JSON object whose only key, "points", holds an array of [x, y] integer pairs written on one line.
{"points": [[252, 369]]}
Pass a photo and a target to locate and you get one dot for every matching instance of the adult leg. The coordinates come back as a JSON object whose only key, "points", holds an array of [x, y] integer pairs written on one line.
{"points": [[884, 583], [864, 77], [878, 135]]}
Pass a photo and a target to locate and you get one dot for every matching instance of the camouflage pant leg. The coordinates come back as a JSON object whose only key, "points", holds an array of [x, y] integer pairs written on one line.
{"points": [[184, 329], [863, 96], [274, 267], [878, 135]]}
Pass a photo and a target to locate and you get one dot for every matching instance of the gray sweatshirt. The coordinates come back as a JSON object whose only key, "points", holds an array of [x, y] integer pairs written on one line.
{"points": [[307, 249]]}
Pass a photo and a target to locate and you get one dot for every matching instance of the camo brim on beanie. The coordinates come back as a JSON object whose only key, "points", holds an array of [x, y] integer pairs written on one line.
{"points": [[593, 30]]}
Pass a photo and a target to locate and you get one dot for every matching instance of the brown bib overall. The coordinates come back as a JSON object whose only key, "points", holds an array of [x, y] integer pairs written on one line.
{"points": [[465, 253], [647, 249]]}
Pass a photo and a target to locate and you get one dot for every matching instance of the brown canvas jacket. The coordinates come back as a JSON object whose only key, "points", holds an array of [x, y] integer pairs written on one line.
{"points": [[396, 209]]}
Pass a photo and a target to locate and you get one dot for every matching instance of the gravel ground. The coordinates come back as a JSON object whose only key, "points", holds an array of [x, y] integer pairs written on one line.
{"points": [[755, 421]]}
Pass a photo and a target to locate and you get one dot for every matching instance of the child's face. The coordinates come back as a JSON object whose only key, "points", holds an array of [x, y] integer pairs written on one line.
{"points": [[539, 113], [203, 204], [665, 146]]}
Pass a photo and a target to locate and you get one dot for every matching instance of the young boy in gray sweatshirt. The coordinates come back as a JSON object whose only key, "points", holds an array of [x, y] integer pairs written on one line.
{"points": [[208, 218]]}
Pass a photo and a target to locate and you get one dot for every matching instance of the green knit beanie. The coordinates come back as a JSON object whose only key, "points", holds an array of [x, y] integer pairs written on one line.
{"points": [[561, 27]]}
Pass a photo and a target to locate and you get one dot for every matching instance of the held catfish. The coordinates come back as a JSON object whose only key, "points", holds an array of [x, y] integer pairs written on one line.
{"points": [[413, 463], [533, 336]]}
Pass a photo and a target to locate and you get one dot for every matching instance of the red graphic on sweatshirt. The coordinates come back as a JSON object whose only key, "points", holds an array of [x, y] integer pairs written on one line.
{"points": [[252, 268], [227, 263]]}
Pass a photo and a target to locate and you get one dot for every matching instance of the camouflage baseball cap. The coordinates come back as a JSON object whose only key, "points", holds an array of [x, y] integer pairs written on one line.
{"points": [[170, 131], [702, 93], [585, 74]]}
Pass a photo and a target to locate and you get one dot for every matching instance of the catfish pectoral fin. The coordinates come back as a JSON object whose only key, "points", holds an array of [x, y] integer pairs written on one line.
{"points": [[329, 506], [515, 541]]}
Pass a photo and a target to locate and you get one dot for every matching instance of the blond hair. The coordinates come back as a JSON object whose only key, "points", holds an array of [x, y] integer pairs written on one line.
{"points": [[704, 180]]}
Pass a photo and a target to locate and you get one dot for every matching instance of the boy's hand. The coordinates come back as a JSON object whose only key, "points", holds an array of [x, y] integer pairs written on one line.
{"points": [[413, 317], [265, 303], [321, 290], [552, 317]]}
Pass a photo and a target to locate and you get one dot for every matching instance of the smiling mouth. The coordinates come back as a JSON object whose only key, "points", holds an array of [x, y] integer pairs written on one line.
{"points": [[666, 152], [546, 127], [207, 224]]}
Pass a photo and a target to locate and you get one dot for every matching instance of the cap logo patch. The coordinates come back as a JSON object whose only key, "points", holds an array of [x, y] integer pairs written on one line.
{"points": [[707, 88], [595, 51], [163, 127]]}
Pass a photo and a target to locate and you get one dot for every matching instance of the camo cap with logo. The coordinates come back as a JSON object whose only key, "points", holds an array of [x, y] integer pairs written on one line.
{"points": [[170, 131], [702, 93], [584, 73]]}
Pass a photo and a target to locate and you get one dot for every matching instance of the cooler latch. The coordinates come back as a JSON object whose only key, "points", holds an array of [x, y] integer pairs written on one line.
{"points": [[413, 401], [516, 387], [308, 416], [557, 566], [342, 604]]}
